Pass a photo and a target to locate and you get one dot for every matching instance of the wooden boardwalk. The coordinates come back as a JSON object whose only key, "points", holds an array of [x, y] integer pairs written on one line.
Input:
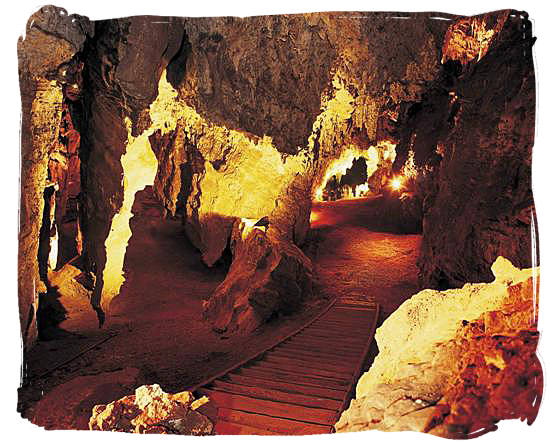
{"points": [[301, 385]]}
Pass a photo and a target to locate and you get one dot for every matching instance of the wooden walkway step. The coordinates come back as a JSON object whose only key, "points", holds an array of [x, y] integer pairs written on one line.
{"points": [[302, 384]]}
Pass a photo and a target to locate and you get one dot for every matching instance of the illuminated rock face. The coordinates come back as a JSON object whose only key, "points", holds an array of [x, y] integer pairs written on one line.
{"points": [[152, 411], [268, 275], [121, 85], [40, 55], [241, 119], [431, 342], [468, 40]]}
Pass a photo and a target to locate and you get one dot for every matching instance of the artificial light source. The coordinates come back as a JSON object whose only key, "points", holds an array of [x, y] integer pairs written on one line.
{"points": [[396, 184]]}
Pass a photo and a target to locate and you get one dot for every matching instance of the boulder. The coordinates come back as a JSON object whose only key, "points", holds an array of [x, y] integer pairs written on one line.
{"points": [[445, 356], [268, 275], [152, 411]]}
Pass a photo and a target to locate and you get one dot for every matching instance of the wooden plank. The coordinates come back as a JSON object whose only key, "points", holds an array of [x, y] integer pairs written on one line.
{"points": [[355, 305], [353, 313], [227, 428], [323, 363], [271, 408], [322, 347], [276, 395], [237, 365], [341, 323], [342, 371], [345, 316], [303, 370], [293, 378], [331, 360], [359, 368], [273, 424], [351, 308], [321, 350], [332, 341], [285, 386], [350, 337], [325, 340], [322, 343], [343, 330], [353, 337], [328, 335], [314, 356]]}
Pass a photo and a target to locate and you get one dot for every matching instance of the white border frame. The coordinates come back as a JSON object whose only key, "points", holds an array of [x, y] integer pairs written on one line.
{"points": [[16, 15]]}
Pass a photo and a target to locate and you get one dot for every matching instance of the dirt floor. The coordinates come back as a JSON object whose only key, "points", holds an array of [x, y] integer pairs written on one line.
{"points": [[154, 331], [358, 252]]}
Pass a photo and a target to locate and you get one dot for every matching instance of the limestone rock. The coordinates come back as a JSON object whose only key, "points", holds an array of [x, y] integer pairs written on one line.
{"points": [[480, 198], [468, 39], [151, 411], [268, 275], [51, 40], [249, 113], [431, 342]]}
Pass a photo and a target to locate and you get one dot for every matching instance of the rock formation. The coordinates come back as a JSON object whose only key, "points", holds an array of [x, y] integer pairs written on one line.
{"points": [[235, 120], [152, 411], [52, 40], [454, 363], [481, 198], [268, 275]]}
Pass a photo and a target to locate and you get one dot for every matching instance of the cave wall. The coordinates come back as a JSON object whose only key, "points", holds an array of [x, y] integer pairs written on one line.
{"points": [[479, 204], [244, 117], [52, 39], [259, 128], [123, 67]]}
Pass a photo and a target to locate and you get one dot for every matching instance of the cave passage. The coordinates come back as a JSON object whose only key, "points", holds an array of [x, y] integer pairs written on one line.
{"points": [[195, 192], [361, 252], [351, 185]]}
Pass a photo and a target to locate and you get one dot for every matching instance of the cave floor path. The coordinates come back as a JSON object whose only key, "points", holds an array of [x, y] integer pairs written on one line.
{"points": [[359, 255], [301, 385]]}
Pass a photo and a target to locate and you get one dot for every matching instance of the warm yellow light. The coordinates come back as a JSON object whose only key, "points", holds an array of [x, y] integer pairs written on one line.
{"points": [[139, 165], [313, 216], [339, 166], [52, 257], [396, 184]]}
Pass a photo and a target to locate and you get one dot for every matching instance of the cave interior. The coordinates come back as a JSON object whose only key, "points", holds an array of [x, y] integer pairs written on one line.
{"points": [[196, 189]]}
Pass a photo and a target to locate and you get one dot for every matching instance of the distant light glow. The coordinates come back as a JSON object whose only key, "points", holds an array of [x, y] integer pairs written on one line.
{"points": [[313, 216], [52, 257], [396, 184], [339, 166]]}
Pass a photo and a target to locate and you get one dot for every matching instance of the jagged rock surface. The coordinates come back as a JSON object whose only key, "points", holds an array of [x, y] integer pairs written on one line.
{"points": [[258, 108], [51, 41], [481, 198], [446, 356], [152, 411], [268, 275], [123, 70]]}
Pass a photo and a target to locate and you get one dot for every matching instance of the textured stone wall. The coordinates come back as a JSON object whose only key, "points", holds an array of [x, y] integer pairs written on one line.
{"points": [[454, 363], [250, 113], [480, 198], [123, 67], [51, 40]]}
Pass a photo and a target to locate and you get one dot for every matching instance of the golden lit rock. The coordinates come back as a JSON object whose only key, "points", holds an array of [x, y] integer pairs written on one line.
{"points": [[469, 39], [151, 411], [424, 342]]}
